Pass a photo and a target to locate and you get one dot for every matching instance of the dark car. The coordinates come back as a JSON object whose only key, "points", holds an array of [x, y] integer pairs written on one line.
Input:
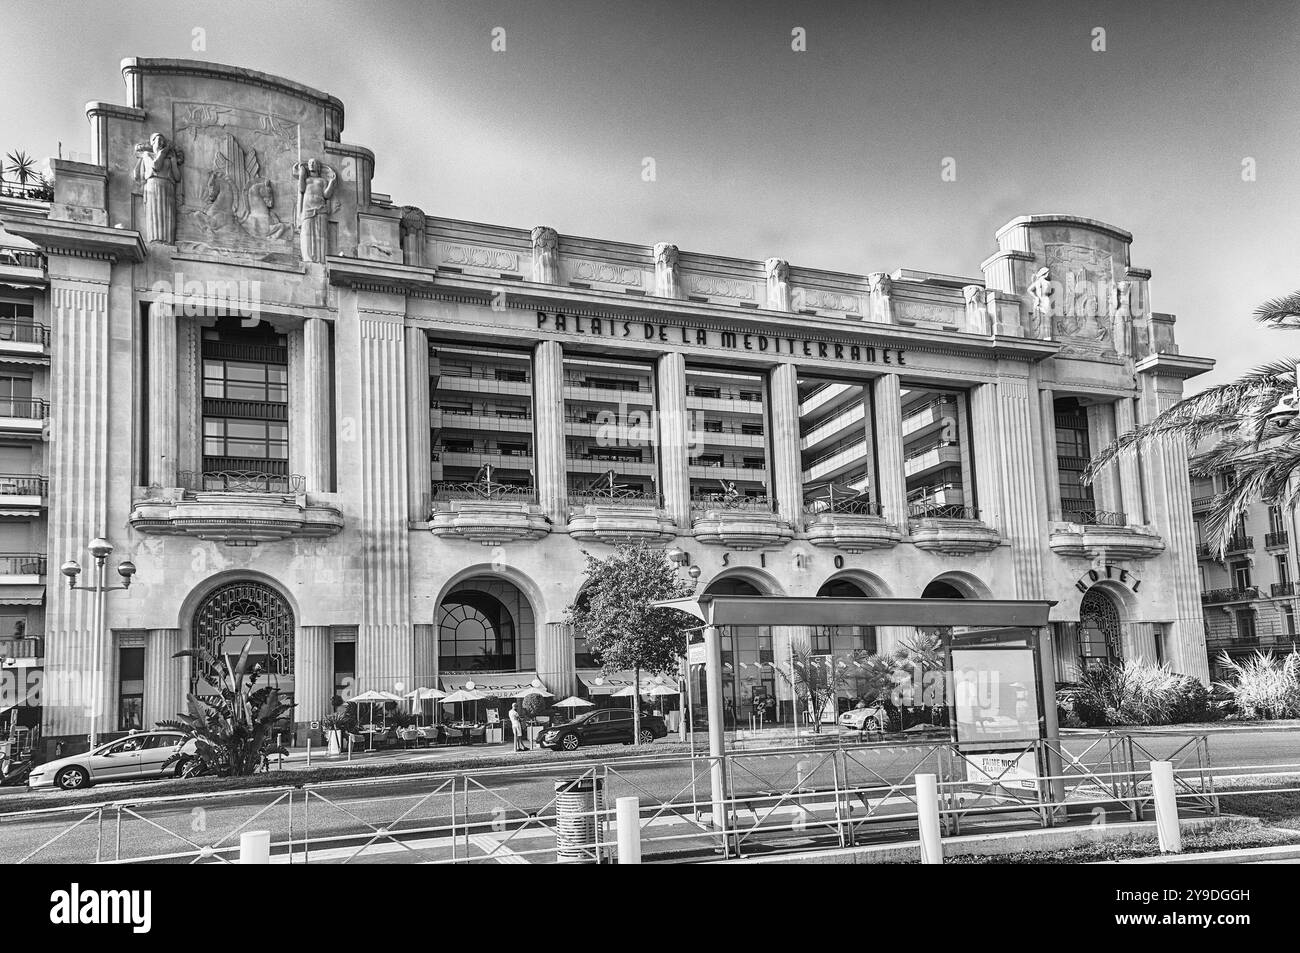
{"points": [[606, 727]]}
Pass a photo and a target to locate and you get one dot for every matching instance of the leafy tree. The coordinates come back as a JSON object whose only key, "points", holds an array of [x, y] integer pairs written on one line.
{"points": [[816, 680], [534, 705], [231, 734], [1247, 437], [613, 611]]}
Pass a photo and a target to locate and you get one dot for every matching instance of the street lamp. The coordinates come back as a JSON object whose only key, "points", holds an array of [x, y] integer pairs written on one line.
{"points": [[100, 549]]}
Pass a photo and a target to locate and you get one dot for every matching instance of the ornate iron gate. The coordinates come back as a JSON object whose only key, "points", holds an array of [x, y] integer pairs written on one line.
{"points": [[240, 611]]}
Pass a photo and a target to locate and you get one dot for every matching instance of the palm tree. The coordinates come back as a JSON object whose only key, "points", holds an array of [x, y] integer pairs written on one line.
{"points": [[22, 167], [1251, 425]]}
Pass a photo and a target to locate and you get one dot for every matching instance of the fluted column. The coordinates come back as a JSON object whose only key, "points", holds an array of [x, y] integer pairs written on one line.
{"points": [[1170, 511], [164, 676], [787, 463], [76, 654], [417, 431], [1140, 641], [555, 662], [162, 395], [987, 449], [1130, 474], [384, 638], [891, 488], [1023, 507], [1101, 434], [548, 427], [1047, 414], [426, 656], [317, 380], [313, 673], [675, 434]]}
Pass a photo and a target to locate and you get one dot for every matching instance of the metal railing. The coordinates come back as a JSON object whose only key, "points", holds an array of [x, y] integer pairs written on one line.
{"points": [[27, 408], [1239, 544], [946, 511], [857, 506], [726, 501], [22, 564], [27, 646], [241, 481], [35, 191], [22, 484], [642, 499], [1094, 517], [1239, 594], [1282, 589], [816, 794], [1278, 538]]}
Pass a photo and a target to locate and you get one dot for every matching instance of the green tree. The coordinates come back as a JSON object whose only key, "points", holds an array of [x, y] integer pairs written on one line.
{"points": [[1250, 425], [815, 680], [231, 733], [613, 611], [22, 167]]}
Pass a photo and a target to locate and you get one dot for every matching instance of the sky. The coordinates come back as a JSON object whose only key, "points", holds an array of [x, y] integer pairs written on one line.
{"points": [[830, 156]]}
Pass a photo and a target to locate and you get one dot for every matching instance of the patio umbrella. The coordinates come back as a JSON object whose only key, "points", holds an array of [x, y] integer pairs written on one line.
{"points": [[372, 697], [419, 696], [573, 701], [462, 695]]}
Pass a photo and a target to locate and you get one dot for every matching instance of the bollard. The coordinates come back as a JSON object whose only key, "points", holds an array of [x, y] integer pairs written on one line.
{"points": [[927, 811], [627, 811], [801, 772], [255, 847], [309, 751], [349, 747], [1166, 801]]}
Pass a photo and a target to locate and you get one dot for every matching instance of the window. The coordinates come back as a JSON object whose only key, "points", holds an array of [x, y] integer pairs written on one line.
{"points": [[1275, 522], [1241, 574], [736, 408], [245, 400], [15, 396], [1072, 455], [837, 445], [130, 688], [245, 439], [246, 380], [162, 741], [1283, 569], [495, 422], [1160, 635], [17, 323], [1288, 619], [345, 667], [1246, 625], [609, 429], [937, 461]]}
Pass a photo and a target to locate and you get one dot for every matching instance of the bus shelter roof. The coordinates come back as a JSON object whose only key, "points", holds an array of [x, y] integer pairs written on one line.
{"points": [[823, 610]]}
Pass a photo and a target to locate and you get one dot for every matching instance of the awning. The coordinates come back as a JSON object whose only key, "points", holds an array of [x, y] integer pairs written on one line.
{"points": [[615, 681], [22, 595], [494, 684]]}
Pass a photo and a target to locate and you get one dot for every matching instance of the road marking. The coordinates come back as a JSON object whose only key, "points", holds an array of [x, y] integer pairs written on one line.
{"points": [[496, 849]]}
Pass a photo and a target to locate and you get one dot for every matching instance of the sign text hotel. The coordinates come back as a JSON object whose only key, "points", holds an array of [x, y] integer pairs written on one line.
{"points": [[733, 340]]}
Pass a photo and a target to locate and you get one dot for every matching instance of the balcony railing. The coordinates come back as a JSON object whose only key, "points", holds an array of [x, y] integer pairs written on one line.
{"points": [[1202, 502], [22, 564], [27, 646], [929, 448], [241, 481], [22, 484], [1240, 544], [23, 332], [1093, 517], [25, 407], [1240, 594], [727, 501], [445, 491], [852, 505], [1282, 589], [35, 191], [1279, 538], [616, 497], [944, 511]]}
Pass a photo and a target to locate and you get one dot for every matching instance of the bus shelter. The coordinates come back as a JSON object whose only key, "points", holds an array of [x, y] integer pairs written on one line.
{"points": [[992, 671]]}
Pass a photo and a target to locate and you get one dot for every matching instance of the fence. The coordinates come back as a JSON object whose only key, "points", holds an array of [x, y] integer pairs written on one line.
{"points": [[776, 799]]}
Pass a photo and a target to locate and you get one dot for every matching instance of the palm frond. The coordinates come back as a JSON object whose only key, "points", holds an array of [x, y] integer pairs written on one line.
{"points": [[1280, 313]]}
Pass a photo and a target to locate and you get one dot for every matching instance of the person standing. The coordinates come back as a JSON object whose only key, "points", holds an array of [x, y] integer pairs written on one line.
{"points": [[517, 728]]}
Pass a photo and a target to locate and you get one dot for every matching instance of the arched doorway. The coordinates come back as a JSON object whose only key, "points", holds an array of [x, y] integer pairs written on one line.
{"points": [[1100, 630], [845, 641], [938, 589], [748, 672], [240, 612], [485, 624]]}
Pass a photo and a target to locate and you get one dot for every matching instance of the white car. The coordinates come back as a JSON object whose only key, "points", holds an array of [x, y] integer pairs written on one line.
{"points": [[871, 718], [139, 755]]}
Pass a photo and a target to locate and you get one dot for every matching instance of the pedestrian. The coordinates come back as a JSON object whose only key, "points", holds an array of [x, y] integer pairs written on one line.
{"points": [[517, 728]]}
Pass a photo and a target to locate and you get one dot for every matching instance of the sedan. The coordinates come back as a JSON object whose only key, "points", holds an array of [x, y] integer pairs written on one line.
{"points": [[871, 718], [135, 757], [609, 726]]}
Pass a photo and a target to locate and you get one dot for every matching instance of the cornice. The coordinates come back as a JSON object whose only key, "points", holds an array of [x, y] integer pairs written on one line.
{"points": [[77, 240]]}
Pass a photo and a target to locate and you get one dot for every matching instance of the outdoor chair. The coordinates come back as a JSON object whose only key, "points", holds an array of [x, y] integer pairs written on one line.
{"points": [[429, 734], [409, 735], [454, 735], [358, 740], [477, 734]]}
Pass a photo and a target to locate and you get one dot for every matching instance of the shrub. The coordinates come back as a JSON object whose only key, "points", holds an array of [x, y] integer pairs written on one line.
{"points": [[534, 705], [1264, 686], [1137, 693]]}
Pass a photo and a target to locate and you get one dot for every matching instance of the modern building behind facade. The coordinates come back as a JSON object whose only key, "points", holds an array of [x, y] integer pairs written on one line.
{"points": [[379, 442]]}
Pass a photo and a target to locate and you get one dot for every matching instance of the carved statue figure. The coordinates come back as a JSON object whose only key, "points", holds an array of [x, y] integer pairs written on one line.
{"points": [[778, 284], [667, 278], [158, 169], [262, 221], [412, 235], [546, 255], [977, 312], [881, 287], [315, 188], [1044, 302]]}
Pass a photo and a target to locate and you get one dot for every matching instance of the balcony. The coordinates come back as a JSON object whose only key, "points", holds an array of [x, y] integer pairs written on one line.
{"points": [[23, 338], [853, 525], [1239, 544], [22, 267], [837, 462], [1089, 533], [486, 512], [22, 494], [26, 651], [23, 416], [923, 460], [1276, 539], [1222, 596], [619, 515], [1202, 502], [1282, 589], [738, 522], [18, 568], [952, 529], [235, 507]]}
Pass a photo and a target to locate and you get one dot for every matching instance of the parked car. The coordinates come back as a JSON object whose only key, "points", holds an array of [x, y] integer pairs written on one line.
{"points": [[137, 756], [605, 727], [870, 718]]}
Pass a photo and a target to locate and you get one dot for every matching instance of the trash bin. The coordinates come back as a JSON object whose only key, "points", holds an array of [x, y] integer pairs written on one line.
{"points": [[578, 801]]}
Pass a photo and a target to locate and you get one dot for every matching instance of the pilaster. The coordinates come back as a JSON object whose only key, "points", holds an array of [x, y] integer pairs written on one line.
{"points": [[163, 452], [165, 682], [548, 430], [1130, 472], [318, 379], [313, 673], [555, 663], [1047, 418], [418, 457], [887, 406], [674, 439], [787, 464], [1101, 433]]}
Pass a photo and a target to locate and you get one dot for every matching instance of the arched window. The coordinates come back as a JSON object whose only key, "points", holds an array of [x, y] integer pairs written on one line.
{"points": [[1099, 629], [485, 624], [243, 612]]}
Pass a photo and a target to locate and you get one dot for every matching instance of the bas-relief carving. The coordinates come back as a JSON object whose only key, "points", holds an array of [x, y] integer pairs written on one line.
{"points": [[668, 283], [931, 315], [1083, 315], [813, 300], [158, 171], [881, 288], [546, 255], [603, 272], [477, 256], [778, 284], [241, 165], [711, 286], [412, 229], [977, 309]]}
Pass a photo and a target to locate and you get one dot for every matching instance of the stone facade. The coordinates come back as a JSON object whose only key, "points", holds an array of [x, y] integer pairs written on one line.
{"points": [[420, 452]]}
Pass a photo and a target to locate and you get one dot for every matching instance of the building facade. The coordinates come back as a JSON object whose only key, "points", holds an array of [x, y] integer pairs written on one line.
{"points": [[379, 442], [1249, 593]]}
